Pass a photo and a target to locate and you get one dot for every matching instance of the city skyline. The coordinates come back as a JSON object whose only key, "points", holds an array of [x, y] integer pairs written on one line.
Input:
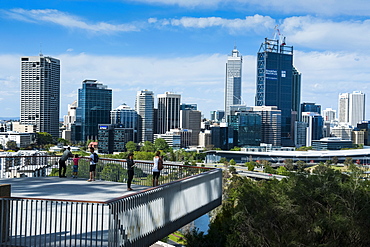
{"points": [[182, 47]]}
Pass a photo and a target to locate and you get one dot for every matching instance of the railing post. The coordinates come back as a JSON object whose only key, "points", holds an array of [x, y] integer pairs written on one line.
{"points": [[5, 191]]}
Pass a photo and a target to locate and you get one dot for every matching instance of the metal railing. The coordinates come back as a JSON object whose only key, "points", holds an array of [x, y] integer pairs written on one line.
{"points": [[138, 219], [114, 170]]}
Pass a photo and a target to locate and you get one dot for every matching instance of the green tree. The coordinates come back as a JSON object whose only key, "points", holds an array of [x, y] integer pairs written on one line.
{"points": [[161, 144], [232, 162], [12, 145], [301, 165], [236, 148], [131, 146], [250, 165], [281, 170], [43, 138], [289, 164], [113, 172], [63, 141], [223, 160], [335, 160], [269, 169], [147, 147], [348, 161], [324, 209]]}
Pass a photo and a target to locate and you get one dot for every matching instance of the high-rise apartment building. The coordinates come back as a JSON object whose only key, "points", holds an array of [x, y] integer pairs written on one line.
{"points": [[144, 106], [278, 84], [351, 107], [168, 112], [94, 106], [356, 107], [233, 84], [343, 108], [329, 114], [40, 93]]}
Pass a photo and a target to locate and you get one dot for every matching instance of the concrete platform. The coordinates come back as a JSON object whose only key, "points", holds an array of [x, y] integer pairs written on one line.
{"points": [[68, 188]]}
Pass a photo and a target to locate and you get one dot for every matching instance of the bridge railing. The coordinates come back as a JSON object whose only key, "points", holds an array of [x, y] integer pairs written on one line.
{"points": [[139, 219]]}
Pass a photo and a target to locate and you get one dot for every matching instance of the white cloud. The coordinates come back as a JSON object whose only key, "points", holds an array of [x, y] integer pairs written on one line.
{"points": [[66, 20], [314, 7], [320, 34], [256, 22]]}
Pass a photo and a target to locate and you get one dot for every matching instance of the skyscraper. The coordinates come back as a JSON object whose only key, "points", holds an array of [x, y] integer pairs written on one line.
{"points": [[94, 106], [233, 84], [40, 93], [343, 108], [168, 112], [278, 84], [351, 107], [144, 107], [356, 107]]}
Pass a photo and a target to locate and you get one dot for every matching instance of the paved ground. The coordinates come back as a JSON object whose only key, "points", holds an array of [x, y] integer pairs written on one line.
{"points": [[68, 188]]}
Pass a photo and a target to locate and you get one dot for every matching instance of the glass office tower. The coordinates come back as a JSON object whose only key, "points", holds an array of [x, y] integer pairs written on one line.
{"points": [[94, 106], [278, 84]]}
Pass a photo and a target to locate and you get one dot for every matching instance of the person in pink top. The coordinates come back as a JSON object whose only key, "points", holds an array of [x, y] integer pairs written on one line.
{"points": [[75, 166]]}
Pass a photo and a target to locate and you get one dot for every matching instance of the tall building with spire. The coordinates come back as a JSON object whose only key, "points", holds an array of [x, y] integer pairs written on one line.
{"points": [[40, 93], [279, 84], [233, 83]]}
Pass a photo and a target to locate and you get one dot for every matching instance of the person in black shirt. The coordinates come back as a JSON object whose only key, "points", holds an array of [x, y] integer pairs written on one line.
{"points": [[130, 169]]}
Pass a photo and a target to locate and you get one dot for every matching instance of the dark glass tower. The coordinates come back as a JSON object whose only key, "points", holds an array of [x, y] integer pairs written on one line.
{"points": [[94, 106], [278, 84]]}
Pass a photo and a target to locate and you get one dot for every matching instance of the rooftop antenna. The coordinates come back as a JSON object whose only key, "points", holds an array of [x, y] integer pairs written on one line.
{"points": [[41, 50]]}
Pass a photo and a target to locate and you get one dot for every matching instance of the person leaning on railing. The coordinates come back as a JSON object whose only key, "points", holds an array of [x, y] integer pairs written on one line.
{"points": [[62, 162]]}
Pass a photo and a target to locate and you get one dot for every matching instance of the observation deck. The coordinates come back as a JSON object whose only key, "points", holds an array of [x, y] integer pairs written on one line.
{"points": [[51, 211]]}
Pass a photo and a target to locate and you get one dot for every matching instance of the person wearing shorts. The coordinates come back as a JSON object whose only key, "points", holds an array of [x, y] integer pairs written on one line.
{"points": [[155, 170], [92, 166]]}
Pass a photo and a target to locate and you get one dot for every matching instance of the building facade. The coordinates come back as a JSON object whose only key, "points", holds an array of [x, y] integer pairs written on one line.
{"points": [[40, 93], [233, 83], [270, 124], [356, 107], [113, 138], [191, 119], [168, 112], [248, 127], [127, 117], [329, 114], [144, 106], [94, 106], [276, 86]]}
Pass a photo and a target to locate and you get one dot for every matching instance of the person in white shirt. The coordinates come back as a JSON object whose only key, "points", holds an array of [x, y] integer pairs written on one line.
{"points": [[92, 165], [155, 170]]}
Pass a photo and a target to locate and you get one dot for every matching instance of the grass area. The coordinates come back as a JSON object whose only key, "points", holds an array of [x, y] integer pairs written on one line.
{"points": [[177, 237]]}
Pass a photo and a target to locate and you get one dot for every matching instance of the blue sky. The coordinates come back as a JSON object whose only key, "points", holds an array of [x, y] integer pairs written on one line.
{"points": [[182, 46]]}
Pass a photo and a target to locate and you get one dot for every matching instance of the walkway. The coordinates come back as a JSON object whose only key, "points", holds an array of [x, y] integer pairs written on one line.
{"points": [[68, 188]]}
